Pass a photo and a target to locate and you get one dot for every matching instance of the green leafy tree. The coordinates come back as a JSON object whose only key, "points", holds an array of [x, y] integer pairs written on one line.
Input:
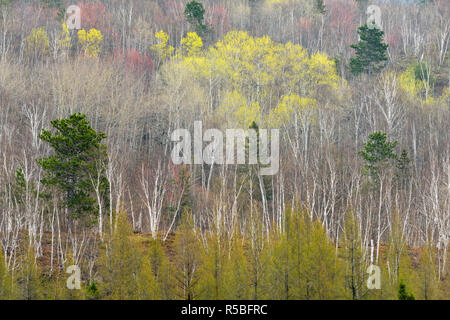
{"points": [[92, 291], [77, 167], [403, 294], [370, 51], [403, 167], [377, 153], [121, 263]]}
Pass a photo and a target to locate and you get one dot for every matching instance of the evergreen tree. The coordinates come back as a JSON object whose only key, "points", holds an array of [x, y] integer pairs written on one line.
{"points": [[79, 158], [377, 153], [403, 294], [370, 51], [194, 12], [403, 166], [92, 291], [320, 6]]}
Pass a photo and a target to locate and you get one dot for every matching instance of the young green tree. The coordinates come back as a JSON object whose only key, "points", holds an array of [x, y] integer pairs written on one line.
{"points": [[77, 167], [29, 276], [236, 273], [121, 263], [257, 258], [403, 167], [213, 263], [403, 294], [370, 51], [428, 281], [320, 272], [377, 153], [161, 269], [6, 283], [280, 268], [353, 256], [398, 256], [186, 261], [147, 285]]}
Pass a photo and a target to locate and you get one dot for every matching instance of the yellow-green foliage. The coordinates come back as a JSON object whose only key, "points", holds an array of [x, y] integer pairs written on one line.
{"points": [[121, 263], [236, 272], [28, 277], [6, 283], [63, 42], [428, 280], [236, 108], [37, 43], [398, 259], [187, 260], [191, 44], [253, 74], [415, 89], [91, 42], [293, 106], [214, 259], [161, 49]]}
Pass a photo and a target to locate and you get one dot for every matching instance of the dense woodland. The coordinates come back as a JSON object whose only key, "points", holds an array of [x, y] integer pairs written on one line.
{"points": [[87, 178]]}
